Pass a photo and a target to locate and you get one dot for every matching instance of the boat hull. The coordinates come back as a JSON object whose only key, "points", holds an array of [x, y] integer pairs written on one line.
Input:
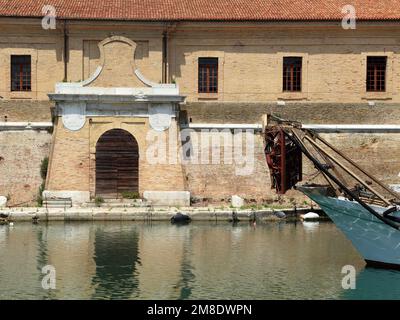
{"points": [[377, 242]]}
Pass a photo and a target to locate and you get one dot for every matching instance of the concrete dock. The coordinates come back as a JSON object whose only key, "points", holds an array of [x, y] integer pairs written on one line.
{"points": [[149, 214]]}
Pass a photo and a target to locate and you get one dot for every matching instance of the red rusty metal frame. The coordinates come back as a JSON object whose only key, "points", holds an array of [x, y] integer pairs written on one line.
{"points": [[284, 160]]}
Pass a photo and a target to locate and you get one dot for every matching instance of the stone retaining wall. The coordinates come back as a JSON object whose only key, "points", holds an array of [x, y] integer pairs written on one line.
{"points": [[21, 153]]}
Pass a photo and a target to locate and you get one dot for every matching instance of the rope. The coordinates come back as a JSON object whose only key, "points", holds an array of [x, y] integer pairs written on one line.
{"points": [[312, 176]]}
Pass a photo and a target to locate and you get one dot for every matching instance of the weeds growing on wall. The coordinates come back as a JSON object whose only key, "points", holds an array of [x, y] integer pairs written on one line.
{"points": [[98, 201], [43, 173], [130, 195]]}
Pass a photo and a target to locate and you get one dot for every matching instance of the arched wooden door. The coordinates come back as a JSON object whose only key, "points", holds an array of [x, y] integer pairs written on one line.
{"points": [[117, 164]]}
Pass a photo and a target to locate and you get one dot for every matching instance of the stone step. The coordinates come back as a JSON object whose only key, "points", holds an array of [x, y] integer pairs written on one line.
{"points": [[126, 201], [57, 203], [57, 206], [66, 203], [118, 205]]}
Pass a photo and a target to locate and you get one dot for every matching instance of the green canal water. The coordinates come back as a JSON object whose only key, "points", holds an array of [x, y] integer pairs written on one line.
{"points": [[133, 260]]}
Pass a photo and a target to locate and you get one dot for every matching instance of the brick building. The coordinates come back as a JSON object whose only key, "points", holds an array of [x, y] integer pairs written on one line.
{"points": [[89, 92]]}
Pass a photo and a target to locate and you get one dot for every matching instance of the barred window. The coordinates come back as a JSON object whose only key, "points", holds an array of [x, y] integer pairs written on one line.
{"points": [[292, 73], [376, 74], [208, 75], [21, 73]]}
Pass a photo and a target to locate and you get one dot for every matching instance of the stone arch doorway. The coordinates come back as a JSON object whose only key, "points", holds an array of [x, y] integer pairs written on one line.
{"points": [[117, 164]]}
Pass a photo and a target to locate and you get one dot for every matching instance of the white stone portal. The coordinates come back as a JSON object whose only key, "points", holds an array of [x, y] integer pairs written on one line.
{"points": [[133, 95]]}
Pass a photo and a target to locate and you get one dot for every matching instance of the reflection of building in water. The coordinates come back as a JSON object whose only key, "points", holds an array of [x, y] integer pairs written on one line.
{"points": [[187, 281], [132, 261], [116, 255], [19, 263], [272, 259], [69, 248], [212, 254], [161, 255], [184, 286]]}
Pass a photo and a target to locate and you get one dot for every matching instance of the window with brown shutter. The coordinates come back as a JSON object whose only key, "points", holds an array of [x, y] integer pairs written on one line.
{"points": [[208, 75], [292, 73], [376, 74], [21, 73]]}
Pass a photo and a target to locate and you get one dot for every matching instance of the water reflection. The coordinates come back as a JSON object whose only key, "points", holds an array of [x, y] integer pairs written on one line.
{"points": [[310, 226], [196, 261], [374, 283], [116, 256]]}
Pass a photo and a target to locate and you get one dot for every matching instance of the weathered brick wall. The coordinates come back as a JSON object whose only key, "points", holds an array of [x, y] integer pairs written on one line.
{"points": [[250, 61], [27, 37], [250, 70], [250, 55], [25, 111], [377, 153], [21, 153], [310, 113], [218, 173], [69, 159]]}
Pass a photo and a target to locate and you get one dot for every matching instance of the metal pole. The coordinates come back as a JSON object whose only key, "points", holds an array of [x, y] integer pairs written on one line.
{"points": [[359, 168], [323, 173], [348, 171], [342, 186]]}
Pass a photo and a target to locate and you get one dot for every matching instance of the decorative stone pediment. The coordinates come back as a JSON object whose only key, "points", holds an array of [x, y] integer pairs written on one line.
{"points": [[117, 74], [116, 88], [117, 65]]}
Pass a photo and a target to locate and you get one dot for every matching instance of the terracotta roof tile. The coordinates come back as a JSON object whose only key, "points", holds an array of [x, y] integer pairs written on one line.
{"points": [[203, 10]]}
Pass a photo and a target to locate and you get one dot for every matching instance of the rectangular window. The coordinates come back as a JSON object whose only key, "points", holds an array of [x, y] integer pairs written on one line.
{"points": [[376, 74], [208, 75], [21, 73], [292, 73]]}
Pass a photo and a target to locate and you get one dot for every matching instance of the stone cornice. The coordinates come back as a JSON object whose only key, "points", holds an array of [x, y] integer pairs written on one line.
{"points": [[115, 98]]}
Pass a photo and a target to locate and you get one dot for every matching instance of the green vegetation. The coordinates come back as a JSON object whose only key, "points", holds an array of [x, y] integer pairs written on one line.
{"points": [[50, 129], [130, 195], [98, 201], [43, 168], [43, 174], [39, 198]]}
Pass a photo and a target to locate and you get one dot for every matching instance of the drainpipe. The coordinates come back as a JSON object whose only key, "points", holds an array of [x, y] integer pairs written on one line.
{"points": [[165, 55], [169, 29], [65, 51]]}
